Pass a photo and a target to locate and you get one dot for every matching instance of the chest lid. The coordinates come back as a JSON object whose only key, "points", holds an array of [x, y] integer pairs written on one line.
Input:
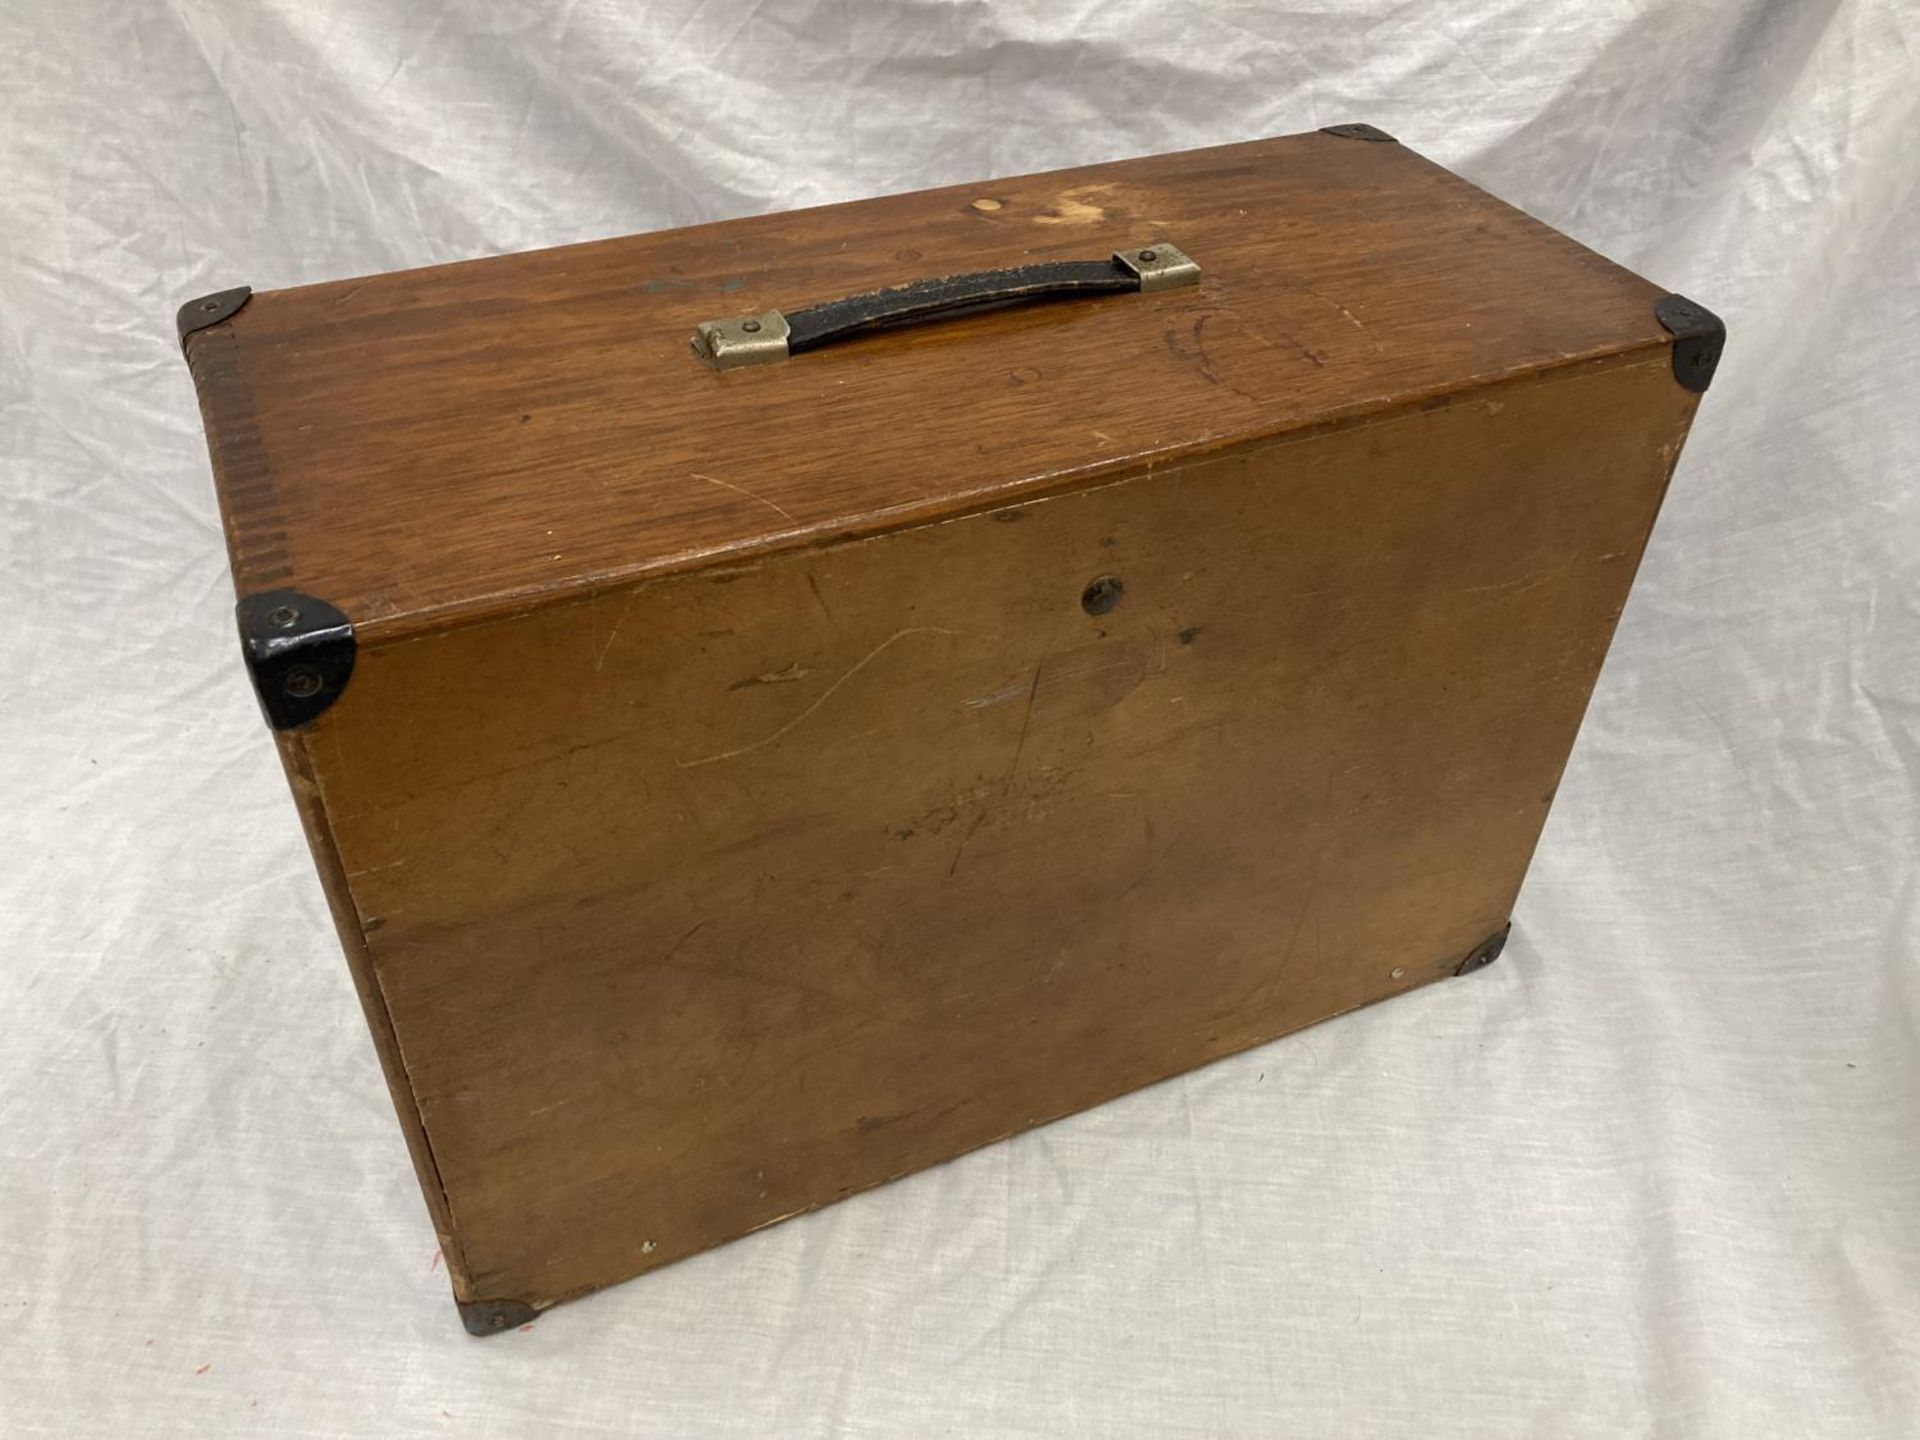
{"points": [[476, 438]]}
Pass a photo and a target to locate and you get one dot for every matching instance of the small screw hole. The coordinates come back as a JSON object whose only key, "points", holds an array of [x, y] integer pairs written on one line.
{"points": [[1147, 257], [283, 618], [752, 327], [209, 306], [1102, 594]]}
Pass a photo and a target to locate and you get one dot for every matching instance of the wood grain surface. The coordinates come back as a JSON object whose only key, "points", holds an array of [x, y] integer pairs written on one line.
{"points": [[469, 439], [720, 897]]}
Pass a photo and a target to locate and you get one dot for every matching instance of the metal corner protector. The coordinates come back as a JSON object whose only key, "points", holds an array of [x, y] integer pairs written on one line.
{"points": [[1699, 336], [208, 310], [494, 1317], [1486, 952], [1359, 132], [299, 652]]}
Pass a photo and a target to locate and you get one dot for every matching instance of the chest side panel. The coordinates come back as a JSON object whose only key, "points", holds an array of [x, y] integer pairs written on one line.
{"points": [[712, 901]]}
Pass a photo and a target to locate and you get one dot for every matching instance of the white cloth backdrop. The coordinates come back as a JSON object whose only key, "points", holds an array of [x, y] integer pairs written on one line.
{"points": [[1656, 1173]]}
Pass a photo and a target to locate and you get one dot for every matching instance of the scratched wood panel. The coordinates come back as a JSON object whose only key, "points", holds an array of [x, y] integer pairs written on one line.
{"points": [[541, 418], [717, 897]]}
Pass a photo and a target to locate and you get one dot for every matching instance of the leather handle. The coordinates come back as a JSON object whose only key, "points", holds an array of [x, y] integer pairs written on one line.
{"points": [[762, 339]]}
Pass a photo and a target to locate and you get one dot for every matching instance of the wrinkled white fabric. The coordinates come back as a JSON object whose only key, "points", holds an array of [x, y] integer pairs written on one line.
{"points": [[1655, 1173]]}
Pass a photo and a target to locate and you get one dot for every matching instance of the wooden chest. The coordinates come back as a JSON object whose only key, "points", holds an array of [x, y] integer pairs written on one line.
{"points": [[750, 770]]}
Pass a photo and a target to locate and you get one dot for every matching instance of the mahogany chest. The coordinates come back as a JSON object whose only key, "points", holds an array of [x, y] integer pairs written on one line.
{"points": [[779, 704]]}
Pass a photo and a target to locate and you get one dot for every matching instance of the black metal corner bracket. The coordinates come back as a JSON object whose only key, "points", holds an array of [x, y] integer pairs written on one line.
{"points": [[1699, 336], [1358, 132], [1486, 952], [210, 310], [299, 651], [494, 1317]]}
